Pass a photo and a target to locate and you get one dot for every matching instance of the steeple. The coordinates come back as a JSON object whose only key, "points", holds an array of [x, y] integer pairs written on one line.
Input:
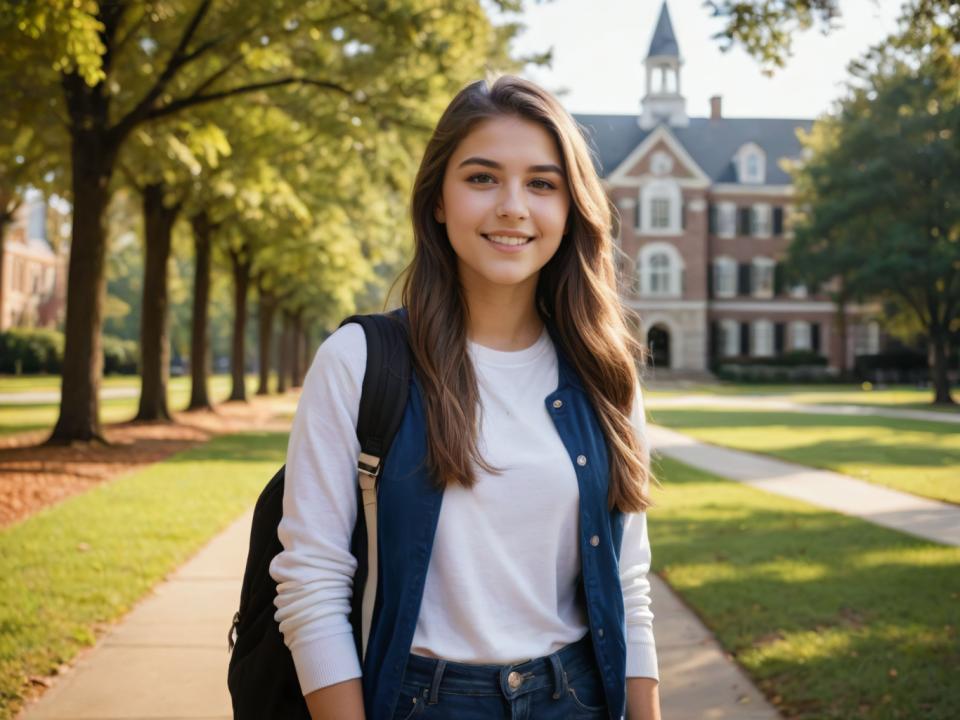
{"points": [[664, 43], [663, 101]]}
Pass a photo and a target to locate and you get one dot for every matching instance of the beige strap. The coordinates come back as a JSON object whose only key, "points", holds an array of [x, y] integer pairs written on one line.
{"points": [[369, 468]]}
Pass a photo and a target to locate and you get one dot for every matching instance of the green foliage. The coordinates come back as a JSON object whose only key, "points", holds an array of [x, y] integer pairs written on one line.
{"points": [[120, 357], [30, 351]]}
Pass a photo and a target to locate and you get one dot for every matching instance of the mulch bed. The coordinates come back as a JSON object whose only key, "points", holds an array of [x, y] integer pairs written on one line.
{"points": [[33, 476]]}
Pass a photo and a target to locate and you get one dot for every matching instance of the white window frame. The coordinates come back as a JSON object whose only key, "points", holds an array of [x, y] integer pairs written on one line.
{"points": [[761, 338], [761, 220], [766, 266], [726, 219], [724, 277], [660, 213], [747, 175], [675, 270], [801, 335], [662, 189], [730, 338]]}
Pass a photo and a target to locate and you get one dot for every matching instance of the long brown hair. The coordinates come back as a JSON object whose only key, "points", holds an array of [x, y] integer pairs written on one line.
{"points": [[576, 293]]}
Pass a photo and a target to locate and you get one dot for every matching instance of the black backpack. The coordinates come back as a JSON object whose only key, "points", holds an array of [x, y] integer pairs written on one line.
{"points": [[261, 677]]}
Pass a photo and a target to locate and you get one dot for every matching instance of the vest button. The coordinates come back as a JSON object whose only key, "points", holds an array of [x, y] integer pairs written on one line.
{"points": [[514, 680], [595, 540], [558, 404], [600, 632], [581, 460]]}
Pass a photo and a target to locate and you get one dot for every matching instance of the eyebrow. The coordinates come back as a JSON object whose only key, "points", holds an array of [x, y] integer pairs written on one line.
{"points": [[549, 167]]}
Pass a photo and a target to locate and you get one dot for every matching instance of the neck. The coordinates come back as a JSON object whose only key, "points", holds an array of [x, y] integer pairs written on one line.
{"points": [[503, 319]]}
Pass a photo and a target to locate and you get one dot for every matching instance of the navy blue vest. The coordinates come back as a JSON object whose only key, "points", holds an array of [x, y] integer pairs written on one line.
{"points": [[408, 509]]}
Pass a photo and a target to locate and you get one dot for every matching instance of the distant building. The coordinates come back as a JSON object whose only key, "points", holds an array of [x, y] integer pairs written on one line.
{"points": [[34, 275], [705, 206]]}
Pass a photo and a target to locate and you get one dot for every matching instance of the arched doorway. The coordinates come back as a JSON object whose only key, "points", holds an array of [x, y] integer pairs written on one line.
{"points": [[658, 345]]}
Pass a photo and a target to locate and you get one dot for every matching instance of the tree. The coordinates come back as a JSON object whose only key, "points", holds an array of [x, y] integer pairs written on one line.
{"points": [[880, 190], [766, 28], [109, 69]]}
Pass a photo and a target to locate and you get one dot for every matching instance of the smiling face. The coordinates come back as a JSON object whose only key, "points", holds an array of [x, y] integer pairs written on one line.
{"points": [[505, 204]]}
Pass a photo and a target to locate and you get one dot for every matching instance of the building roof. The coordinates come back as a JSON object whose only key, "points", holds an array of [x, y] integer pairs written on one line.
{"points": [[711, 143], [664, 42]]}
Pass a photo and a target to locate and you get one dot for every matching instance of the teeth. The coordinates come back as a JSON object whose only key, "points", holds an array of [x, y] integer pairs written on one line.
{"points": [[505, 240]]}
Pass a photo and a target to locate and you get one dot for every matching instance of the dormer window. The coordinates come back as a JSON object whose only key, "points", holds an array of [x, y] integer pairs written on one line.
{"points": [[751, 164]]}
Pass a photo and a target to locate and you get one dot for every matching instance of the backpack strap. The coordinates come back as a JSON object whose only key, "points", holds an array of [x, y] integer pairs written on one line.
{"points": [[383, 399]]}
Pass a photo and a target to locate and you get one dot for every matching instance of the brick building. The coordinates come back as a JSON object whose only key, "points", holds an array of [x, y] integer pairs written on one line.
{"points": [[33, 291], [705, 208]]}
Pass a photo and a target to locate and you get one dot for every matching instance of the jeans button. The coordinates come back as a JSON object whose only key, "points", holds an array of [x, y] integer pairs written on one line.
{"points": [[514, 680]]}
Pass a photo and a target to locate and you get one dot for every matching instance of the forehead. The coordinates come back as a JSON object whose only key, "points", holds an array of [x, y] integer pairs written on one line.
{"points": [[509, 139]]}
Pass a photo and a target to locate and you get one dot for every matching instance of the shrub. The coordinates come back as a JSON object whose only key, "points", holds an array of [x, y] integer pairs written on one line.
{"points": [[120, 357], [31, 351]]}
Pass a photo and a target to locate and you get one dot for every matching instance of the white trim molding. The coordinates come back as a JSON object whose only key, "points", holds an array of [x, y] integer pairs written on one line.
{"points": [[776, 307], [734, 189], [661, 132]]}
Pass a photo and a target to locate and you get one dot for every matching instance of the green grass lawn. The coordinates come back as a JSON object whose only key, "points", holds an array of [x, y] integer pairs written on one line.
{"points": [[85, 562], [19, 418], [915, 456], [838, 618], [894, 397]]}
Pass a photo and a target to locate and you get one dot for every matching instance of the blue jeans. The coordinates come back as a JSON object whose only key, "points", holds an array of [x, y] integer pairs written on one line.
{"points": [[563, 686]]}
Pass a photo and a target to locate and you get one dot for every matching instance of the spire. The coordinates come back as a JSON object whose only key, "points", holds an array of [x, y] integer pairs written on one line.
{"points": [[664, 42]]}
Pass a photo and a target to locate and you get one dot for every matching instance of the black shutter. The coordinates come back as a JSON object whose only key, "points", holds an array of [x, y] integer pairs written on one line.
{"points": [[779, 330], [743, 279], [778, 220], [636, 214], [683, 214], [815, 336], [714, 343], [744, 338], [778, 279], [743, 217], [711, 269], [712, 219]]}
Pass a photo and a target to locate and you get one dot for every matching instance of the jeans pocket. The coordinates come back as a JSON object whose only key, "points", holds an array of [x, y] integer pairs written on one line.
{"points": [[587, 693], [411, 703]]}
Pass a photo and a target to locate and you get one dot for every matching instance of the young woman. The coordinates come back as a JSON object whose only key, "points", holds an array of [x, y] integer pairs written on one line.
{"points": [[512, 527]]}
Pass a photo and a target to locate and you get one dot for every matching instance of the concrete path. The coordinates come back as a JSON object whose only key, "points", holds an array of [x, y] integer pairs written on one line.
{"points": [[168, 658], [927, 519], [774, 403]]}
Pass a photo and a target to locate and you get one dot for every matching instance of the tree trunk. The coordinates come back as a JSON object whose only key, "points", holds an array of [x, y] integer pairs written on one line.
{"points": [[92, 156], [296, 350], [842, 330], [199, 347], [158, 221], [266, 309], [241, 283], [938, 369], [283, 354]]}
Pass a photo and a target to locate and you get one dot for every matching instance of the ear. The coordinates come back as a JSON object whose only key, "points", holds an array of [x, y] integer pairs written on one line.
{"points": [[438, 213]]}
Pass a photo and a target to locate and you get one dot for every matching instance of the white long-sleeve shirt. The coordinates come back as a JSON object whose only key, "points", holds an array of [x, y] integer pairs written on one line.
{"points": [[501, 586]]}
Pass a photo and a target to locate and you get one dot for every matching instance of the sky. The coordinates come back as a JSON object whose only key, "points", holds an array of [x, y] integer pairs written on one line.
{"points": [[599, 47]]}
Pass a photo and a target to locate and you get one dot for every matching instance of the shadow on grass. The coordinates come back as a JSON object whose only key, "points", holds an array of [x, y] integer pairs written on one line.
{"points": [[840, 618]]}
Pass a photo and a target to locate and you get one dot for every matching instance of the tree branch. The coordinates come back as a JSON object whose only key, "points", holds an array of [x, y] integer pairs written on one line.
{"points": [[193, 100], [177, 60]]}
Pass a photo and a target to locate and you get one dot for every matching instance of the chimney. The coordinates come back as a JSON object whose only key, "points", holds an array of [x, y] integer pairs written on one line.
{"points": [[715, 113]]}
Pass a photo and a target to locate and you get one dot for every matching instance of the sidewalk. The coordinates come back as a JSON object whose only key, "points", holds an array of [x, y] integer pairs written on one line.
{"points": [[927, 519], [168, 658], [775, 404]]}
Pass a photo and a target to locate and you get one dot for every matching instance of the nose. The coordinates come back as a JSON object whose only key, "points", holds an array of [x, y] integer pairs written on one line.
{"points": [[512, 203]]}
